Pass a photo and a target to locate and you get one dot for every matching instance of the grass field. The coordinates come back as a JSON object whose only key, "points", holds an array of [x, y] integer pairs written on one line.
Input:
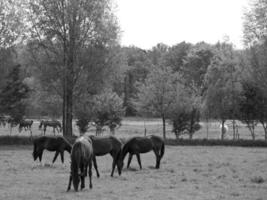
{"points": [[186, 173]]}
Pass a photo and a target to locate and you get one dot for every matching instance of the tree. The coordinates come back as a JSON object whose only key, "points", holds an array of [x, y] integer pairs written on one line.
{"points": [[157, 94], [13, 95], [223, 86], [255, 23], [195, 65], [104, 109], [136, 67], [185, 112], [70, 42], [248, 107], [108, 110], [12, 17]]}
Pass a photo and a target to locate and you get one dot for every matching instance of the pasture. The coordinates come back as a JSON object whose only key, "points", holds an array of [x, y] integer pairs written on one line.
{"points": [[203, 173], [135, 126]]}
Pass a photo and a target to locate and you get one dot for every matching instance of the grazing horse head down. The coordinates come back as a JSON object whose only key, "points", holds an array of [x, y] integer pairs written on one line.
{"points": [[139, 145], [81, 159], [50, 143]]}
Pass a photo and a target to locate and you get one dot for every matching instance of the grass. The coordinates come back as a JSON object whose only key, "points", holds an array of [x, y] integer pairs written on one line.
{"points": [[186, 173]]}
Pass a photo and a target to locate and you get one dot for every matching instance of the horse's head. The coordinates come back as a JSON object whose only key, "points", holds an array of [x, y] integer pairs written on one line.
{"points": [[120, 163]]}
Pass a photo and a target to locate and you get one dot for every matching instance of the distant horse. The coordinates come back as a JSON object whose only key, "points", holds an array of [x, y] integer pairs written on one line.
{"points": [[55, 124], [26, 124], [50, 143], [3, 121], [81, 158], [137, 145], [106, 144]]}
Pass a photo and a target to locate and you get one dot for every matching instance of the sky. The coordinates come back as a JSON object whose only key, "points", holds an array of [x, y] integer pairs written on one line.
{"points": [[145, 23]]}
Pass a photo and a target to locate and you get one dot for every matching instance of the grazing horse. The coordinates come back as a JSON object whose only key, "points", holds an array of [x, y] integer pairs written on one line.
{"points": [[3, 121], [52, 123], [50, 143], [103, 145], [81, 157], [137, 145], [26, 124]]}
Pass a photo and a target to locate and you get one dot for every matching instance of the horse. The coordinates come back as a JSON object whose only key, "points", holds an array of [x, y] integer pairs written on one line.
{"points": [[103, 145], [50, 143], [81, 157], [52, 123], [26, 124], [3, 121], [137, 145]]}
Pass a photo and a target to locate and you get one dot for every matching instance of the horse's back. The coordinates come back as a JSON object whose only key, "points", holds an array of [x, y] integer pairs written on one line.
{"points": [[83, 146], [139, 145], [51, 143], [105, 144]]}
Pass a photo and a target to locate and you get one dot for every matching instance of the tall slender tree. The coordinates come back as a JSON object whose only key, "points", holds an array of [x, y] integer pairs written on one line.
{"points": [[70, 42]]}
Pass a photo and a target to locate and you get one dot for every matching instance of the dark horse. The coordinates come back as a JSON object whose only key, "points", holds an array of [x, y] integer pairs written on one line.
{"points": [[137, 145], [55, 124], [106, 144], [26, 124], [50, 143], [81, 157]]}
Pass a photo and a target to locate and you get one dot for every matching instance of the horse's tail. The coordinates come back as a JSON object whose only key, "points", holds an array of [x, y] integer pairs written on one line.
{"points": [[76, 156], [162, 150]]}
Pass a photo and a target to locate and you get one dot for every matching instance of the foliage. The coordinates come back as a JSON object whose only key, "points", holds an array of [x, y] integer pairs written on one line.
{"points": [[104, 109], [157, 93], [108, 110], [185, 112], [222, 85], [255, 26], [12, 17], [70, 45], [136, 67], [195, 65], [13, 95], [250, 106]]}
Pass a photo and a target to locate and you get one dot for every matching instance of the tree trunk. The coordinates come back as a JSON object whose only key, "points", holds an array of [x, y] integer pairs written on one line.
{"points": [[164, 126], [191, 135], [265, 130]]}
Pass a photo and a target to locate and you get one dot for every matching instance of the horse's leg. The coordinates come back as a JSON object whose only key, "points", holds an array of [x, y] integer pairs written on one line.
{"points": [[70, 180], [90, 174], [129, 160], [40, 154], [157, 154], [113, 163], [62, 156], [55, 157], [83, 172], [139, 160], [95, 166]]}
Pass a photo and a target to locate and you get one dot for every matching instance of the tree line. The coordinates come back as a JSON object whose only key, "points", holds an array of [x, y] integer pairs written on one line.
{"points": [[69, 63]]}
